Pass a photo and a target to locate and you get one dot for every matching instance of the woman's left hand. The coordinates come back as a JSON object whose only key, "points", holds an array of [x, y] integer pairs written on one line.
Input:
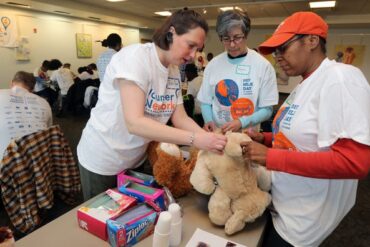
{"points": [[233, 126], [254, 151]]}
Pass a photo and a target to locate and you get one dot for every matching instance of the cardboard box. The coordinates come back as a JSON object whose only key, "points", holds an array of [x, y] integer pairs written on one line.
{"points": [[93, 216], [143, 193], [133, 225]]}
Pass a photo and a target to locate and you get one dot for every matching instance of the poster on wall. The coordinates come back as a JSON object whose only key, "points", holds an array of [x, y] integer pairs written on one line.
{"points": [[350, 54], [8, 30], [23, 50], [84, 45]]}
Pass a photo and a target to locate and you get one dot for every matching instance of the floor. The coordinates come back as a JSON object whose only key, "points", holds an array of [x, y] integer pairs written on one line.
{"points": [[354, 230]]}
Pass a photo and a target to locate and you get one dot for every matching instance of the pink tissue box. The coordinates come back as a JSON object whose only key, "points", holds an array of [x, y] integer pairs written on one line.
{"points": [[93, 216]]}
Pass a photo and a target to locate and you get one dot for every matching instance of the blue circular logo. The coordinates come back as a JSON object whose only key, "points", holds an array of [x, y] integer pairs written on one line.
{"points": [[226, 92]]}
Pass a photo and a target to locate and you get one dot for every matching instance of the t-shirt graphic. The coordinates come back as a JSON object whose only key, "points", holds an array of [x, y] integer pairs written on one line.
{"points": [[279, 140], [227, 94], [163, 104]]}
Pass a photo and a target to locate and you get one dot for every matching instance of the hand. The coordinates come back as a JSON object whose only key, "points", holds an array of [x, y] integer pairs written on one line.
{"points": [[209, 127], [233, 126], [256, 136], [254, 151], [210, 142]]}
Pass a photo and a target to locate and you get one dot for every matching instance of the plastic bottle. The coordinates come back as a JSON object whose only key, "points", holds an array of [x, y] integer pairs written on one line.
{"points": [[176, 224], [162, 230]]}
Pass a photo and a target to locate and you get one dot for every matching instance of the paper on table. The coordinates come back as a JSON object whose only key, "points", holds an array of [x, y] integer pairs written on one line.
{"points": [[202, 238]]}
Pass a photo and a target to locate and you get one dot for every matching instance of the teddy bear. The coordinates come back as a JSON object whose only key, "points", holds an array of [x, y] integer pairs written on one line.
{"points": [[233, 185], [170, 168]]}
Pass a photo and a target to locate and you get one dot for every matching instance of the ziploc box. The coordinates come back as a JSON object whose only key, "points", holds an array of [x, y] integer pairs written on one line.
{"points": [[93, 216], [133, 225], [143, 193], [130, 175]]}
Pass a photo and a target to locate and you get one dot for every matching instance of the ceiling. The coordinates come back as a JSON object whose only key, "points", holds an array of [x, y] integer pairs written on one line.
{"points": [[140, 13]]}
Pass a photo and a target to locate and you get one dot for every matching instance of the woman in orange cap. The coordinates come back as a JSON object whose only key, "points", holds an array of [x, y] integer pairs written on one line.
{"points": [[319, 146]]}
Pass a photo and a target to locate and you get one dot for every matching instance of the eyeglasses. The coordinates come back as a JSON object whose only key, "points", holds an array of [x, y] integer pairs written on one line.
{"points": [[236, 39], [281, 49]]}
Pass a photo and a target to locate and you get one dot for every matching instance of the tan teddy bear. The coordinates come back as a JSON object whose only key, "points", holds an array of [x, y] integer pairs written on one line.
{"points": [[170, 168], [236, 199]]}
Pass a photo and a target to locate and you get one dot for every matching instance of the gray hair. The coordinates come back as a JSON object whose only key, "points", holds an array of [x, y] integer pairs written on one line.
{"points": [[230, 19]]}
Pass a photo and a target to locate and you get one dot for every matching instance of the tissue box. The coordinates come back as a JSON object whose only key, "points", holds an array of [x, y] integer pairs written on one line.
{"points": [[130, 175], [93, 216], [143, 193], [133, 225]]}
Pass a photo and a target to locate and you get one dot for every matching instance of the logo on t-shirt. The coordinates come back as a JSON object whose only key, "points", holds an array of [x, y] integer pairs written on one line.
{"points": [[156, 103], [226, 92], [241, 107], [247, 87], [279, 139]]}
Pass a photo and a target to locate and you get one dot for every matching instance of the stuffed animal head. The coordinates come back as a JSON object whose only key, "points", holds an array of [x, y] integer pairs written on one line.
{"points": [[170, 169], [233, 148]]}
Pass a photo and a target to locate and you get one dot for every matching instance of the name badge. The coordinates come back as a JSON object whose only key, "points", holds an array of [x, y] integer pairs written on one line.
{"points": [[243, 69]]}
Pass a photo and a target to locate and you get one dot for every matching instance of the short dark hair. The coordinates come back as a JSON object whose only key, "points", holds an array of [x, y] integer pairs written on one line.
{"points": [[230, 19], [112, 40], [55, 64], [182, 21], [45, 64], [27, 79], [322, 44]]}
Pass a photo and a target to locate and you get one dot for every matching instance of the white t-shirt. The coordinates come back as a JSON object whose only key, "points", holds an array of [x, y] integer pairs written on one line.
{"points": [[106, 147], [21, 113], [237, 89], [332, 103], [63, 77]]}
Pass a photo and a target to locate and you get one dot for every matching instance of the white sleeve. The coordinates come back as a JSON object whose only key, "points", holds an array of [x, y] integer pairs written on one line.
{"points": [[205, 94], [131, 66], [344, 109], [268, 95]]}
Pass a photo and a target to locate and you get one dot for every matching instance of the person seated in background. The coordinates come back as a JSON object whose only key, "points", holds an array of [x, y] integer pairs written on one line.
{"points": [[42, 86], [64, 80], [194, 83], [92, 67], [84, 73], [21, 111], [68, 66]]}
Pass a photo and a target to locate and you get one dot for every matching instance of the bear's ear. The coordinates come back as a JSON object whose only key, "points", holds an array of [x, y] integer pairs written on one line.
{"points": [[233, 147], [170, 149]]}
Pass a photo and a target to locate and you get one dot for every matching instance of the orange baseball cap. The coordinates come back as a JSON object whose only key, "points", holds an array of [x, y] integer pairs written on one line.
{"points": [[298, 23]]}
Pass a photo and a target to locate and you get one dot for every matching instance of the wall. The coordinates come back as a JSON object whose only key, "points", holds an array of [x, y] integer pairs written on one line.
{"points": [[55, 38], [337, 36]]}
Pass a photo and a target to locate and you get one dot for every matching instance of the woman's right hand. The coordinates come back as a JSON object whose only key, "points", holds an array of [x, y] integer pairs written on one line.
{"points": [[210, 142], [209, 127], [256, 136]]}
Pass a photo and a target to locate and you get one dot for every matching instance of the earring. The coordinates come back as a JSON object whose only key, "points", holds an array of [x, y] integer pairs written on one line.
{"points": [[169, 37]]}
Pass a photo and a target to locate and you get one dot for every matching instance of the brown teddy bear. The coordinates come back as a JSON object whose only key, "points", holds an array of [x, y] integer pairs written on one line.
{"points": [[170, 169]]}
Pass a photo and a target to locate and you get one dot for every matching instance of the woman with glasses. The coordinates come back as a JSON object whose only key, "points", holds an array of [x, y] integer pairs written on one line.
{"points": [[239, 86], [319, 146], [140, 92]]}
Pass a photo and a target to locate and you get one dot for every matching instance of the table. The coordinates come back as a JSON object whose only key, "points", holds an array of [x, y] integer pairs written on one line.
{"points": [[64, 231]]}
